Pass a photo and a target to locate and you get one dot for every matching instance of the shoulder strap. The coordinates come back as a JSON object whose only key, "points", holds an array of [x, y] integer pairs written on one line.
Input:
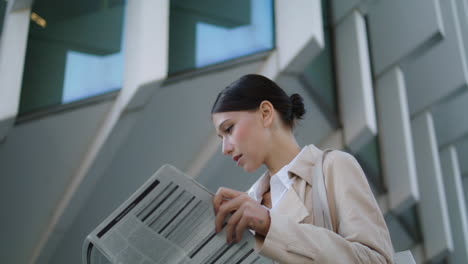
{"points": [[321, 208]]}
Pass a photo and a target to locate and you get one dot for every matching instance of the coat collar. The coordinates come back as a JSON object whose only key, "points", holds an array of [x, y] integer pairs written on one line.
{"points": [[303, 166]]}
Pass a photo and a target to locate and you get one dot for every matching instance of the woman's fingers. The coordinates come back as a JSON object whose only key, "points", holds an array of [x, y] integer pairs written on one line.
{"points": [[222, 195], [241, 226], [247, 213], [232, 223], [224, 209]]}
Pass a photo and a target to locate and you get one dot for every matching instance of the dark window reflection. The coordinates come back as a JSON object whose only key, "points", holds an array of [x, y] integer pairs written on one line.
{"points": [[74, 51], [3, 5], [319, 74]]}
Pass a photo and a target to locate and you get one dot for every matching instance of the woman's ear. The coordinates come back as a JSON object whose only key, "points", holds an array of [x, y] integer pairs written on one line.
{"points": [[266, 110]]}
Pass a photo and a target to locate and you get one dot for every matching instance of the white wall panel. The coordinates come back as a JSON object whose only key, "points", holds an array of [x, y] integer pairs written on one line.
{"points": [[146, 23], [12, 54], [441, 70], [396, 143], [450, 119], [354, 82], [456, 204], [394, 32], [433, 211], [299, 33]]}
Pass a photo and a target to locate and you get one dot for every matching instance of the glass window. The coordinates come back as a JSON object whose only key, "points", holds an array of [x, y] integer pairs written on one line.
{"points": [[369, 159], [3, 5], [319, 74], [74, 51], [206, 32]]}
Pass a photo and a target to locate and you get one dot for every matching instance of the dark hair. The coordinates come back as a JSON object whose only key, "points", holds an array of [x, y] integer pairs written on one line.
{"points": [[246, 94]]}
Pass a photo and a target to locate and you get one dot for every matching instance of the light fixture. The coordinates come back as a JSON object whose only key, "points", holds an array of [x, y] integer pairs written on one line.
{"points": [[39, 20]]}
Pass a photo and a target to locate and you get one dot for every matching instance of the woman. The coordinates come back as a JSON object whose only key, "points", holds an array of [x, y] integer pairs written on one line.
{"points": [[255, 119]]}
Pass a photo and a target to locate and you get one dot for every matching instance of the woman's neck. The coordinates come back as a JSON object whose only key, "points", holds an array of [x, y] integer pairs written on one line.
{"points": [[281, 153]]}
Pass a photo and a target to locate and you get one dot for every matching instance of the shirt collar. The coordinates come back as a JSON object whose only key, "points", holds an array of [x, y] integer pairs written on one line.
{"points": [[259, 187], [302, 166]]}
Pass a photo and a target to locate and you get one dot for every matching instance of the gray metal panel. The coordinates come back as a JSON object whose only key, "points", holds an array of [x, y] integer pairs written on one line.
{"points": [[315, 126], [222, 171], [5, 125], [462, 150], [462, 12], [172, 128], [36, 163], [401, 240], [433, 209], [396, 142], [341, 7], [355, 83], [440, 71], [394, 32], [465, 188], [450, 120], [456, 204]]}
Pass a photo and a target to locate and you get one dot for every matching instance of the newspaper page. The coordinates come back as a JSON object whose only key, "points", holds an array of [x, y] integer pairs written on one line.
{"points": [[169, 219]]}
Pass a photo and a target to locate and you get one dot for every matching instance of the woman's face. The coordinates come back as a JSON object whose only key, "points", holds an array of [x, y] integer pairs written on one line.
{"points": [[244, 137]]}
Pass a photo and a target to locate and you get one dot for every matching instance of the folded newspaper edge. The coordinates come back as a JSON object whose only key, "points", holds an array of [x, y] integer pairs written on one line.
{"points": [[169, 219]]}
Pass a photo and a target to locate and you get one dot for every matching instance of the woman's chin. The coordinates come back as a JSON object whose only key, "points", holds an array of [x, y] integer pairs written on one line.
{"points": [[249, 169]]}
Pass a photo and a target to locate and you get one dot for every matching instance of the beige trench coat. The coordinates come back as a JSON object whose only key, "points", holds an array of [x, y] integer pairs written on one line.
{"points": [[360, 233]]}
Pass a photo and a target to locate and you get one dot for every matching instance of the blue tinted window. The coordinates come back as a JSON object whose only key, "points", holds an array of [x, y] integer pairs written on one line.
{"points": [[213, 31], [74, 51], [88, 75]]}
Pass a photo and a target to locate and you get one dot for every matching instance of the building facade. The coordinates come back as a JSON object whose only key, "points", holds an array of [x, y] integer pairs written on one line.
{"points": [[96, 95]]}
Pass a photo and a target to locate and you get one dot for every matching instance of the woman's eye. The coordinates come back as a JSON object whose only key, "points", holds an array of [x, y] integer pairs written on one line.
{"points": [[229, 129]]}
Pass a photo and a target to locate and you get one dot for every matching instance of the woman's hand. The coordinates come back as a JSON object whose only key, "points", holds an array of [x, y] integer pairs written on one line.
{"points": [[247, 213]]}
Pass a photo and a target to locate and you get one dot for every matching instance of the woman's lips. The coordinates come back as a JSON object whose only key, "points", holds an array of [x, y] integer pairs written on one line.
{"points": [[237, 159]]}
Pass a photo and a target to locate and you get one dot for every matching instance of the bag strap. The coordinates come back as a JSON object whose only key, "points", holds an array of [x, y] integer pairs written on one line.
{"points": [[321, 208]]}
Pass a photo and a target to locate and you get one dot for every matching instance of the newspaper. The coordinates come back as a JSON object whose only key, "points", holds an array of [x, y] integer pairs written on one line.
{"points": [[169, 219]]}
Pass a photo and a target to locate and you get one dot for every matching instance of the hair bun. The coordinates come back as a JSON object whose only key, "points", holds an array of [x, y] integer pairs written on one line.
{"points": [[297, 103]]}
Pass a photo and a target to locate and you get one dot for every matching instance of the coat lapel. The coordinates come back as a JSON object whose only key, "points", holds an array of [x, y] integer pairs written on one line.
{"points": [[292, 206], [303, 167]]}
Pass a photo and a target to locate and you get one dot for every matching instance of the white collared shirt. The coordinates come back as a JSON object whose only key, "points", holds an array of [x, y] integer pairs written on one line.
{"points": [[279, 184]]}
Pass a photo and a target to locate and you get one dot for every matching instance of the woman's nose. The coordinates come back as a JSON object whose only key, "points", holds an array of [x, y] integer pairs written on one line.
{"points": [[227, 147]]}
